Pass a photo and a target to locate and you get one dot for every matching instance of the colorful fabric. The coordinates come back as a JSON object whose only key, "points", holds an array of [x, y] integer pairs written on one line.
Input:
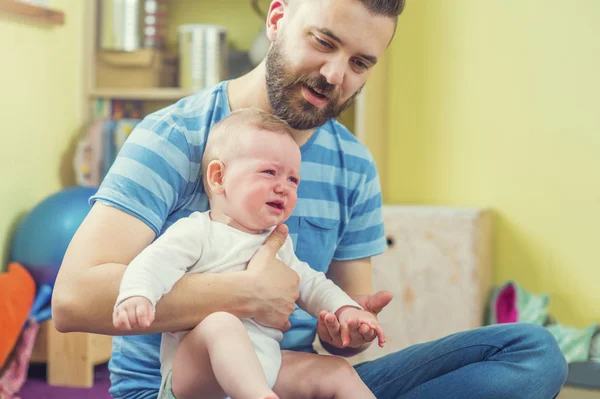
{"points": [[511, 303], [17, 291], [15, 375]]}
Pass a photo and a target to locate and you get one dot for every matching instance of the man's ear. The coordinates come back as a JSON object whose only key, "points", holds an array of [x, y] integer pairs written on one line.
{"points": [[215, 172], [277, 9]]}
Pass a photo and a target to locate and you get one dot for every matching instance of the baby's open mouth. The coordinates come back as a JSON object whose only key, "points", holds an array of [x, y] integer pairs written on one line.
{"points": [[277, 205]]}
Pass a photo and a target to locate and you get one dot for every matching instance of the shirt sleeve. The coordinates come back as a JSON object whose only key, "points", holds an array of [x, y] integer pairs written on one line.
{"points": [[364, 235], [317, 292], [152, 173], [160, 265]]}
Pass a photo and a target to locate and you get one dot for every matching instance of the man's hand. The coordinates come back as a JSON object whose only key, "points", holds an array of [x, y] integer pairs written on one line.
{"points": [[275, 283], [329, 329], [134, 312]]}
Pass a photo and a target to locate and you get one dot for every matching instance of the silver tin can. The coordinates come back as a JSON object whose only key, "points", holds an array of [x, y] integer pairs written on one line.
{"points": [[121, 24], [202, 56]]}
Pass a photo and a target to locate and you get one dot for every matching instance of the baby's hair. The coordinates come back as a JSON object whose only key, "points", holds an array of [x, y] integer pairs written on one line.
{"points": [[223, 141]]}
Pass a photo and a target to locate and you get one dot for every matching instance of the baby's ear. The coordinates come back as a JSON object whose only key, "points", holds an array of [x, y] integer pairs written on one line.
{"points": [[215, 173]]}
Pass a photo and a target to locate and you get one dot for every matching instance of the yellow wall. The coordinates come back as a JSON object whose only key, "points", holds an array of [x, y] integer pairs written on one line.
{"points": [[496, 104], [40, 93]]}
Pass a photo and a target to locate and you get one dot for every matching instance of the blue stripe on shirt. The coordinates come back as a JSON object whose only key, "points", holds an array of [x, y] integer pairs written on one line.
{"points": [[173, 149], [162, 193], [161, 128], [168, 171]]}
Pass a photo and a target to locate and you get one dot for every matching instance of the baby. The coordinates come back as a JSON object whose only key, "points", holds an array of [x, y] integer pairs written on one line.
{"points": [[250, 171]]}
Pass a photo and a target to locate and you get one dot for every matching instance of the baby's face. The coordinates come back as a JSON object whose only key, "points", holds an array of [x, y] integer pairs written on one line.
{"points": [[261, 184]]}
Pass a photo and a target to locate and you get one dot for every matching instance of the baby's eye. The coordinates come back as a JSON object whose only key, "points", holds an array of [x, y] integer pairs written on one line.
{"points": [[269, 172], [293, 180]]}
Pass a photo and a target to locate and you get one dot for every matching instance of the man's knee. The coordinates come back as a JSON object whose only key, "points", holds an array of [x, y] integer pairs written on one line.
{"points": [[547, 361]]}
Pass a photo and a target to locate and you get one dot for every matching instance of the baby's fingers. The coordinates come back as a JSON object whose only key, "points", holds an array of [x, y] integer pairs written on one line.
{"points": [[131, 316], [380, 335], [121, 320], [370, 330], [368, 333], [144, 315], [344, 334]]}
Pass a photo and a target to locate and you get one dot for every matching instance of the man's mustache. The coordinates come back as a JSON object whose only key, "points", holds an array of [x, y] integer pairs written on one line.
{"points": [[321, 85]]}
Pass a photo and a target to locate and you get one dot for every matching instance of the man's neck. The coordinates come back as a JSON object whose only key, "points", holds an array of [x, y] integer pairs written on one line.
{"points": [[250, 91]]}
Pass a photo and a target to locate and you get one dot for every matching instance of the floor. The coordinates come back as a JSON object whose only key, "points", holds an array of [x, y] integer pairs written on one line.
{"points": [[36, 387], [575, 393]]}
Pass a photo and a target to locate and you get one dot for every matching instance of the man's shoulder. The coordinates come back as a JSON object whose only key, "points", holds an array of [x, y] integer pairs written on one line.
{"points": [[190, 114]]}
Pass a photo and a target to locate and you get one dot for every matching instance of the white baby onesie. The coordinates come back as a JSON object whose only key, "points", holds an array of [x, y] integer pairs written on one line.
{"points": [[196, 244]]}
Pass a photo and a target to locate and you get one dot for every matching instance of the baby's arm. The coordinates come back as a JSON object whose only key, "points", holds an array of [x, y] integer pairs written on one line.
{"points": [[152, 273], [318, 294]]}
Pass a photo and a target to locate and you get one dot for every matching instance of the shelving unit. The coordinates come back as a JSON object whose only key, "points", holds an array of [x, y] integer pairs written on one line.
{"points": [[152, 98], [158, 94], [41, 14]]}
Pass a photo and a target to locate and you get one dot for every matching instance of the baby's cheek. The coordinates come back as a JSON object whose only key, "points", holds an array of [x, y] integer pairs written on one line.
{"points": [[292, 200], [256, 195]]}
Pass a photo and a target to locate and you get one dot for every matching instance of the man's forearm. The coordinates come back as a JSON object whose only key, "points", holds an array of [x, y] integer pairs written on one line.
{"points": [[85, 302]]}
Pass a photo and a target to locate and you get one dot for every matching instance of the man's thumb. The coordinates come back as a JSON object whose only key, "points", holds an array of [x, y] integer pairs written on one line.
{"points": [[379, 301], [277, 238]]}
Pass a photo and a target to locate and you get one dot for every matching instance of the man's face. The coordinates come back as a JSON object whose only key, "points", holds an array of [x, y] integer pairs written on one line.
{"points": [[321, 59]]}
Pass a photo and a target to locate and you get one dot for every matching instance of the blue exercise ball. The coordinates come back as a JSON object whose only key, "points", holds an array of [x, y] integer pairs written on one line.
{"points": [[42, 237]]}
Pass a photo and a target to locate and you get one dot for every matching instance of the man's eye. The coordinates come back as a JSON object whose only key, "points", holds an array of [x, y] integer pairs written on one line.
{"points": [[361, 64], [323, 43]]}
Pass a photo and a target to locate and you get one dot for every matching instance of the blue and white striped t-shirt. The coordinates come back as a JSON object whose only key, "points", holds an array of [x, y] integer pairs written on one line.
{"points": [[156, 177]]}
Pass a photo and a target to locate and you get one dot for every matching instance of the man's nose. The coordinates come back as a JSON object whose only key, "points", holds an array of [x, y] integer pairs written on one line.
{"points": [[333, 70]]}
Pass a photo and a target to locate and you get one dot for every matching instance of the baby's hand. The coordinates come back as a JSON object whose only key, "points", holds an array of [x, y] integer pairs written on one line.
{"points": [[359, 326], [133, 312]]}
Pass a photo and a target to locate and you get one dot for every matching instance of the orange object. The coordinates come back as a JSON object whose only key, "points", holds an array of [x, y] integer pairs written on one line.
{"points": [[17, 292]]}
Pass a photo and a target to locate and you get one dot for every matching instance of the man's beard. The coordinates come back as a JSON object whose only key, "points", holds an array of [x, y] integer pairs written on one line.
{"points": [[282, 90]]}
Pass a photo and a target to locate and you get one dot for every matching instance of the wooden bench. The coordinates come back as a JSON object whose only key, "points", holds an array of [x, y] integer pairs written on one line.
{"points": [[70, 358]]}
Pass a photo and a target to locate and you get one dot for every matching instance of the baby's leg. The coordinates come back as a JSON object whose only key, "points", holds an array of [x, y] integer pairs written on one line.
{"points": [[216, 359], [323, 377]]}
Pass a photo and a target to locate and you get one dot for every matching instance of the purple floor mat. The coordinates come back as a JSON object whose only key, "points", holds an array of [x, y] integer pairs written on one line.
{"points": [[36, 387]]}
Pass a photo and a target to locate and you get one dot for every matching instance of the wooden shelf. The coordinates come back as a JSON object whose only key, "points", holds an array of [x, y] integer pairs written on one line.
{"points": [[158, 94], [42, 14]]}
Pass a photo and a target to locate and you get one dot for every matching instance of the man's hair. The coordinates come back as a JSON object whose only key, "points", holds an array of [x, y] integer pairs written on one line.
{"points": [[223, 141], [388, 8]]}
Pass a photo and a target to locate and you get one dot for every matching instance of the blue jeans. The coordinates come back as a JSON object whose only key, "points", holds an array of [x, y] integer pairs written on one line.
{"points": [[502, 361]]}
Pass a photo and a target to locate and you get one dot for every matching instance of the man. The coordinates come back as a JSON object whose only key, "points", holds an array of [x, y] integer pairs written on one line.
{"points": [[321, 55]]}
